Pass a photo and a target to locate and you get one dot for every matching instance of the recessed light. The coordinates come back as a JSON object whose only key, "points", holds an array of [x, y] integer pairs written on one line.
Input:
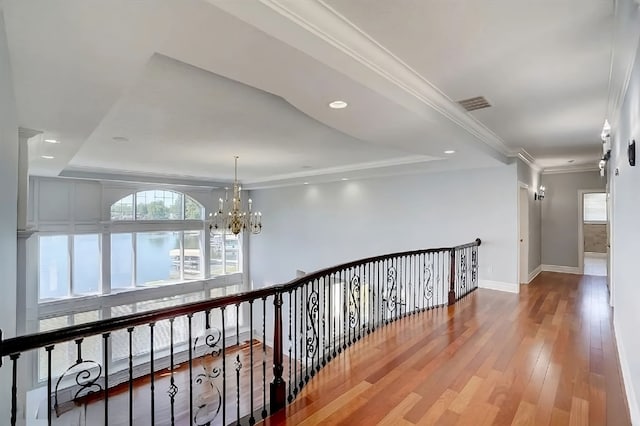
{"points": [[344, 179], [47, 157], [306, 183], [338, 104], [51, 141], [449, 152]]}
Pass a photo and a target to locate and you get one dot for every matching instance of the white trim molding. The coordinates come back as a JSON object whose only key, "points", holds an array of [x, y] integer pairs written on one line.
{"points": [[627, 381], [317, 29], [533, 274], [499, 285], [578, 168], [562, 269]]}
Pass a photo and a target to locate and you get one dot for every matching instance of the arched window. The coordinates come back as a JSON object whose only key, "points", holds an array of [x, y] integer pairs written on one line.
{"points": [[157, 204]]}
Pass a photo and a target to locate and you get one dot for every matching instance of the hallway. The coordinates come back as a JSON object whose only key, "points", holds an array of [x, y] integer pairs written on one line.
{"points": [[544, 357]]}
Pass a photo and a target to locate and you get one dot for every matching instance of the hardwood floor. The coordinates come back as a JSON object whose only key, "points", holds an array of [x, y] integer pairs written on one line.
{"points": [[546, 356]]}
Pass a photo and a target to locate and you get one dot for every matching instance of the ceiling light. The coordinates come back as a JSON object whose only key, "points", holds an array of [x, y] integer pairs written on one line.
{"points": [[338, 104], [51, 141], [231, 217], [306, 183], [344, 179], [449, 151], [47, 157]]}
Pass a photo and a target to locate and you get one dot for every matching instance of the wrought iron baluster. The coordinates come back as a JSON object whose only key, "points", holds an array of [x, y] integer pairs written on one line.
{"points": [[324, 320], [302, 332], [14, 387], [295, 342], [152, 373], [130, 335], [318, 319], [190, 331], [264, 358], [252, 419], [237, 364], [345, 301], [173, 389], [49, 349], [332, 282], [224, 366], [291, 383], [105, 357], [332, 327]]}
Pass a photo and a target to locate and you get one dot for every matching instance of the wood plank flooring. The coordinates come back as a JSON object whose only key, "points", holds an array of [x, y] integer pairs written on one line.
{"points": [[546, 356]]}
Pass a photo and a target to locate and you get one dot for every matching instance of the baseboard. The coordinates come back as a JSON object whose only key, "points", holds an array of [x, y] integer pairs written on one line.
{"points": [[561, 269], [534, 273], [634, 410], [500, 286]]}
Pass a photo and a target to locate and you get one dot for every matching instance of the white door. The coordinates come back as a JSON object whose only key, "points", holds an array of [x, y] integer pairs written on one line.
{"points": [[523, 225]]}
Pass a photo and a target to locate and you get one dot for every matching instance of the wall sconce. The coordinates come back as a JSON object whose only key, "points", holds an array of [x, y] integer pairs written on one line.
{"points": [[540, 194]]}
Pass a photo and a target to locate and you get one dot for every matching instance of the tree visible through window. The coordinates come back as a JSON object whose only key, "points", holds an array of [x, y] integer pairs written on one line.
{"points": [[157, 205]]}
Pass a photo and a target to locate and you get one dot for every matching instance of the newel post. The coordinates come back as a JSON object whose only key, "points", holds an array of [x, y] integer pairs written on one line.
{"points": [[278, 385], [452, 278]]}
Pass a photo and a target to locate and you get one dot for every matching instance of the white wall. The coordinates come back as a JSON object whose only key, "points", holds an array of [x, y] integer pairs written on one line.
{"points": [[309, 227], [8, 211], [625, 240]]}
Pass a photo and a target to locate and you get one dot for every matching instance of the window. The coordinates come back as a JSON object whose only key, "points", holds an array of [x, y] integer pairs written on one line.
{"points": [[157, 205], [225, 254], [69, 265], [156, 237], [121, 260], [595, 207]]}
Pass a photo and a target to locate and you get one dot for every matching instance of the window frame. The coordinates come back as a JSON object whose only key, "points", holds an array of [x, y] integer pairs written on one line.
{"points": [[71, 294], [134, 207]]}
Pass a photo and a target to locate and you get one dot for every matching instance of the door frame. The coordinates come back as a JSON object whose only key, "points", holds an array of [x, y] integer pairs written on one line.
{"points": [[581, 193], [523, 249]]}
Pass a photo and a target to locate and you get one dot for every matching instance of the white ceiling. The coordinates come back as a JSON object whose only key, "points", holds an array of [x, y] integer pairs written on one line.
{"points": [[191, 83]]}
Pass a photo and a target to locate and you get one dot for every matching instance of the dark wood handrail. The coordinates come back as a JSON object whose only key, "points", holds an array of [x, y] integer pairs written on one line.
{"points": [[32, 341]]}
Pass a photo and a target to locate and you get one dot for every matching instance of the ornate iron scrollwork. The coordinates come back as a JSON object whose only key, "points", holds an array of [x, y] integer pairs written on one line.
{"points": [[86, 375], [474, 265], [312, 319], [209, 398], [462, 270], [354, 302], [428, 282], [391, 298]]}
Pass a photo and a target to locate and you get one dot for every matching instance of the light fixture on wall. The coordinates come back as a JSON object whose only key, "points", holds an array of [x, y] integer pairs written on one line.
{"points": [[230, 216], [540, 194], [606, 147]]}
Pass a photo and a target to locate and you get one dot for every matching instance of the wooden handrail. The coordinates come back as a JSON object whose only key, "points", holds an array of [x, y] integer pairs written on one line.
{"points": [[19, 344]]}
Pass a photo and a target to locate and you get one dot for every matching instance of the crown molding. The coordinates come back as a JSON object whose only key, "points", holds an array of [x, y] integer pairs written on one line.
{"points": [[528, 159], [26, 134], [616, 101], [312, 26], [138, 177], [413, 159], [578, 168]]}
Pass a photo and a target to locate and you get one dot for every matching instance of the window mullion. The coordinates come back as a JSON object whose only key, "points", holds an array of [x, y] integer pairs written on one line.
{"points": [[71, 291], [134, 255]]}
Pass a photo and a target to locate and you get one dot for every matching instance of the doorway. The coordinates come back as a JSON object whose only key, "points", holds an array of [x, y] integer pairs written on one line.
{"points": [[594, 229], [523, 234]]}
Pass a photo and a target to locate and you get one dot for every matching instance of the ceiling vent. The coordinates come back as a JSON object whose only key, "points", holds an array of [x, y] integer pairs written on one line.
{"points": [[472, 104]]}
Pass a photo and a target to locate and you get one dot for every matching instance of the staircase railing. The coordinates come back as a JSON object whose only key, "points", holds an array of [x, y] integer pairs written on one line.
{"points": [[215, 368]]}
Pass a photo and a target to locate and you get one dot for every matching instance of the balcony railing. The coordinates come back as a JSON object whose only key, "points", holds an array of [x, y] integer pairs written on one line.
{"points": [[235, 358]]}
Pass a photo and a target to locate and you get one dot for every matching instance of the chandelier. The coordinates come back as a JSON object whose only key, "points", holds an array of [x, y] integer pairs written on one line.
{"points": [[231, 217]]}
